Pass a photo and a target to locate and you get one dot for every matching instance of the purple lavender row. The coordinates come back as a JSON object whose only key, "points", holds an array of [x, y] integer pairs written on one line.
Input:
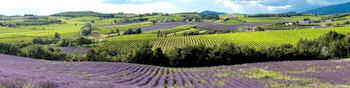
{"points": [[19, 71]]}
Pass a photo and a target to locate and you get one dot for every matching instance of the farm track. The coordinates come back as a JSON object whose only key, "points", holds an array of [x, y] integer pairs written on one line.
{"points": [[19, 71]]}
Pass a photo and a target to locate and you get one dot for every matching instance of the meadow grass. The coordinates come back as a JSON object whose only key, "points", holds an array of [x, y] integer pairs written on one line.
{"points": [[69, 28]]}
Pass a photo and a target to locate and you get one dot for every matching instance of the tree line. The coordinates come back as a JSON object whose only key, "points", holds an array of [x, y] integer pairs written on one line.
{"points": [[332, 45], [31, 21]]}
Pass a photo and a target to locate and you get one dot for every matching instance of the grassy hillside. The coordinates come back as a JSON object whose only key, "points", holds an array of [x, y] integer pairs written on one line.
{"points": [[334, 9], [69, 28]]}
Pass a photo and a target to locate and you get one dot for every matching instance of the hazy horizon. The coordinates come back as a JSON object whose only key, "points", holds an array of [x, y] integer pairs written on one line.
{"points": [[45, 7]]}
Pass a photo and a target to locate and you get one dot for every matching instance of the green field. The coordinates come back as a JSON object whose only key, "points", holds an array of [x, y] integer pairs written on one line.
{"points": [[26, 34], [107, 29], [71, 27], [258, 40]]}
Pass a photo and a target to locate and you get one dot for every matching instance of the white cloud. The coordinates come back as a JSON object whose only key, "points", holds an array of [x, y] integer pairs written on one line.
{"points": [[250, 7], [47, 7], [322, 2], [278, 7]]}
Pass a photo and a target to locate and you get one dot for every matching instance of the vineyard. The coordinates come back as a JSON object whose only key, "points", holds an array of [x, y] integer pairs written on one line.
{"points": [[55, 74], [257, 40]]}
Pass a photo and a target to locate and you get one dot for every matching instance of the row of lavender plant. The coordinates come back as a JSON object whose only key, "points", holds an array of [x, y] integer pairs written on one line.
{"points": [[20, 72]]}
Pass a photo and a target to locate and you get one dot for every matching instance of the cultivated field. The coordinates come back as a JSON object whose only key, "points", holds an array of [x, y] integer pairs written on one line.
{"points": [[80, 42], [26, 72], [258, 40]]}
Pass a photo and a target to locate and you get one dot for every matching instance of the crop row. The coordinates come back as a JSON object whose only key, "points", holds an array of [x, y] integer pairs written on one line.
{"points": [[55, 74], [169, 43]]}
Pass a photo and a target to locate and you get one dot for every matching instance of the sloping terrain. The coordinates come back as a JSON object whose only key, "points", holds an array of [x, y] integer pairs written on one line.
{"points": [[333, 9], [25, 72]]}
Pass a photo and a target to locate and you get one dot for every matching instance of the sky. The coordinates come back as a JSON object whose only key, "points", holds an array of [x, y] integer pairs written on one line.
{"points": [[48, 7]]}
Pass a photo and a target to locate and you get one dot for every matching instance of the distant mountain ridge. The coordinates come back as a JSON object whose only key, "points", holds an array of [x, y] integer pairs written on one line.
{"points": [[290, 12], [333, 9], [212, 12]]}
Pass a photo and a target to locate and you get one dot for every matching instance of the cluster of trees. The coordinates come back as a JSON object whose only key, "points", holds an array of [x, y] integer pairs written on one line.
{"points": [[210, 16], [339, 24], [133, 31], [44, 48], [87, 29], [116, 31], [31, 21], [44, 41], [136, 19], [33, 51], [190, 18], [213, 30], [79, 41], [84, 13]]}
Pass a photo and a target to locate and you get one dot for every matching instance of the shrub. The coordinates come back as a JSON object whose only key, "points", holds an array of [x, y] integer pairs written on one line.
{"points": [[43, 52]]}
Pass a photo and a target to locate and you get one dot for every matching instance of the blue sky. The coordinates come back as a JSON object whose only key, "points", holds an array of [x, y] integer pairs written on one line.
{"points": [[47, 7]]}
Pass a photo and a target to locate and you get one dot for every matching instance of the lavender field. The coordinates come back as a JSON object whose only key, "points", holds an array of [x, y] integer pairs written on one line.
{"points": [[209, 25], [74, 50], [18, 72], [126, 23]]}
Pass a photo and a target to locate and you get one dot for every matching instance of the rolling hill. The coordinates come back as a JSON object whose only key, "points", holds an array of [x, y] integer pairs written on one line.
{"points": [[334, 9], [80, 14]]}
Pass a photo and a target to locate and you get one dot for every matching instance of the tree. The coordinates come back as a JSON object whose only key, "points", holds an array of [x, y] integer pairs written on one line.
{"points": [[87, 29], [112, 31], [133, 31], [158, 34], [82, 41], [129, 31], [144, 55], [64, 42], [347, 22], [154, 22], [91, 55], [160, 58], [115, 21], [138, 31], [118, 31], [57, 36]]}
